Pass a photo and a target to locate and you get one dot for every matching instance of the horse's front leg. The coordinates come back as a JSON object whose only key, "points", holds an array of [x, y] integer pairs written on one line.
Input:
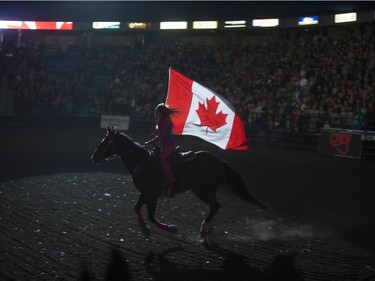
{"points": [[151, 207], [141, 220]]}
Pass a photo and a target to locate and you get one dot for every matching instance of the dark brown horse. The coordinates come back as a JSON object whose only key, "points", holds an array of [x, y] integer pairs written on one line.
{"points": [[203, 174]]}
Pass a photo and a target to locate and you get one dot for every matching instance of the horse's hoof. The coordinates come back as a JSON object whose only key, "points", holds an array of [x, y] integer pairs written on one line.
{"points": [[205, 233], [205, 230], [172, 228], [146, 230]]}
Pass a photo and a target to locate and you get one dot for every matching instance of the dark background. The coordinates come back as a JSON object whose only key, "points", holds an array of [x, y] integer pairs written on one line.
{"points": [[171, 10], [334, 194]]}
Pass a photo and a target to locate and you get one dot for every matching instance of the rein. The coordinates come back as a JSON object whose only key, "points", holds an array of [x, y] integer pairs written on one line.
{"points": [[129, 152], [129, 156], [114, 156]]}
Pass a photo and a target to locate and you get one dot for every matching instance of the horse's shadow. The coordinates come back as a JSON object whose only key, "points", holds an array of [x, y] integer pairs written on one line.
{"points": [[117, 269], [233, 267]]}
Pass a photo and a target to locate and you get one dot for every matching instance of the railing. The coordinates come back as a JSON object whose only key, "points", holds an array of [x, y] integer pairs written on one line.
{"points": [[257, 137], [6, 109], [303, 141], [49, 121]]}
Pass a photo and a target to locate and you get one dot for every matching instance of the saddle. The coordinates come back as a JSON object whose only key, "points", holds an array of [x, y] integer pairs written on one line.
{"points": [[177, 156]]}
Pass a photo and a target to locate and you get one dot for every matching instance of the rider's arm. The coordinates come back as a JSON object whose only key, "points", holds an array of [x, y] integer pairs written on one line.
{"points": [[162, 128]]}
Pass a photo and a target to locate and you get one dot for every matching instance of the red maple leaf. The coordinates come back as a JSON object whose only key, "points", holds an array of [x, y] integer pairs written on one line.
{"points": [[209, 117]]}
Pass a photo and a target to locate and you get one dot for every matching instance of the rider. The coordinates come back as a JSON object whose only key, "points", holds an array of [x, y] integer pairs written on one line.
{"points": [[165, 137]]}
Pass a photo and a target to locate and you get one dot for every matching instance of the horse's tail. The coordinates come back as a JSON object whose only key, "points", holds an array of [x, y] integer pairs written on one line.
{"points": [[235, 182]]}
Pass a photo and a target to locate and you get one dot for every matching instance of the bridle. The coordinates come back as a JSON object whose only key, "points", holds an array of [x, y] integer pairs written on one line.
{"points": [[104, 152]]}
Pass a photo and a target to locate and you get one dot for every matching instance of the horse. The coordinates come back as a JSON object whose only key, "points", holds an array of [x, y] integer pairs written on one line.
{"points": [[201, 172]]}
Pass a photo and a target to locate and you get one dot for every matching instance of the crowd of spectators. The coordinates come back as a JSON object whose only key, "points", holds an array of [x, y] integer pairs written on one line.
{"points": [[296, 84]]}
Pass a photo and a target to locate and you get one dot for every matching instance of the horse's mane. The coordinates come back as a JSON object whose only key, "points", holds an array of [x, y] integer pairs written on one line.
{"points": [[135, 143]]}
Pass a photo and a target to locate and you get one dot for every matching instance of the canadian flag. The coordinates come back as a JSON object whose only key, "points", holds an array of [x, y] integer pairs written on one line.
{"points": [[203, 113]]}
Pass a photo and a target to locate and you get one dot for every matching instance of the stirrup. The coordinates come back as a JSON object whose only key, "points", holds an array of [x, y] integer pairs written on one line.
{"points": [[170, 192], [164, 190]]}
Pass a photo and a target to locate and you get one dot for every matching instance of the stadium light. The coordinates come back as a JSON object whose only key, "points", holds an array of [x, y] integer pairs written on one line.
{"points": [[138, 25], [204, 24], [106, 25], [234, 23], [308, 20], [173, 25], [265, 22], [36, 25], [347, 17]]}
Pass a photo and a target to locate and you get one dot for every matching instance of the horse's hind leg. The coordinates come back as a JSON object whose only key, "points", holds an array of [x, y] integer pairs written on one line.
{"points": [[206, 227], [141, 220], [211, 200], [151, 207]]}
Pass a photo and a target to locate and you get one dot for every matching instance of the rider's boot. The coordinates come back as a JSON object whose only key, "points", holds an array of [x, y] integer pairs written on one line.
{"points": [[170, 190]]}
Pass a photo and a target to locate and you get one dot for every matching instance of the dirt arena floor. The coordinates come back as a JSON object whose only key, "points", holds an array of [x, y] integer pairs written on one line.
{"points": [[64, 218]]}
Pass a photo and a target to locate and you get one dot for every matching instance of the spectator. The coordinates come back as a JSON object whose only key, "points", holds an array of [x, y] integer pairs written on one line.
{"points": [[303, 85]]}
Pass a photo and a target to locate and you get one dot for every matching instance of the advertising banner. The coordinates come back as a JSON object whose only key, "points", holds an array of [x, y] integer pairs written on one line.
{"points": [[344, 144]]}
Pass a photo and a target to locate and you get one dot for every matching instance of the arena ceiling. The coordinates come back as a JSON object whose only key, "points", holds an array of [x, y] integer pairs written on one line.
{"points": [[171, 10]]}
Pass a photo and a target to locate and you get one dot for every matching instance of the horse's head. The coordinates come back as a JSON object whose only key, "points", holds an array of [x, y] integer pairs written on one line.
{"points": [[118, 144], [114, 144], [105, 148]]}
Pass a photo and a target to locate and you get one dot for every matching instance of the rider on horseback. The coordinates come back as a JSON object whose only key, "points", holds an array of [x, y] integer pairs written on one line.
{"points": [[165, 138]]}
